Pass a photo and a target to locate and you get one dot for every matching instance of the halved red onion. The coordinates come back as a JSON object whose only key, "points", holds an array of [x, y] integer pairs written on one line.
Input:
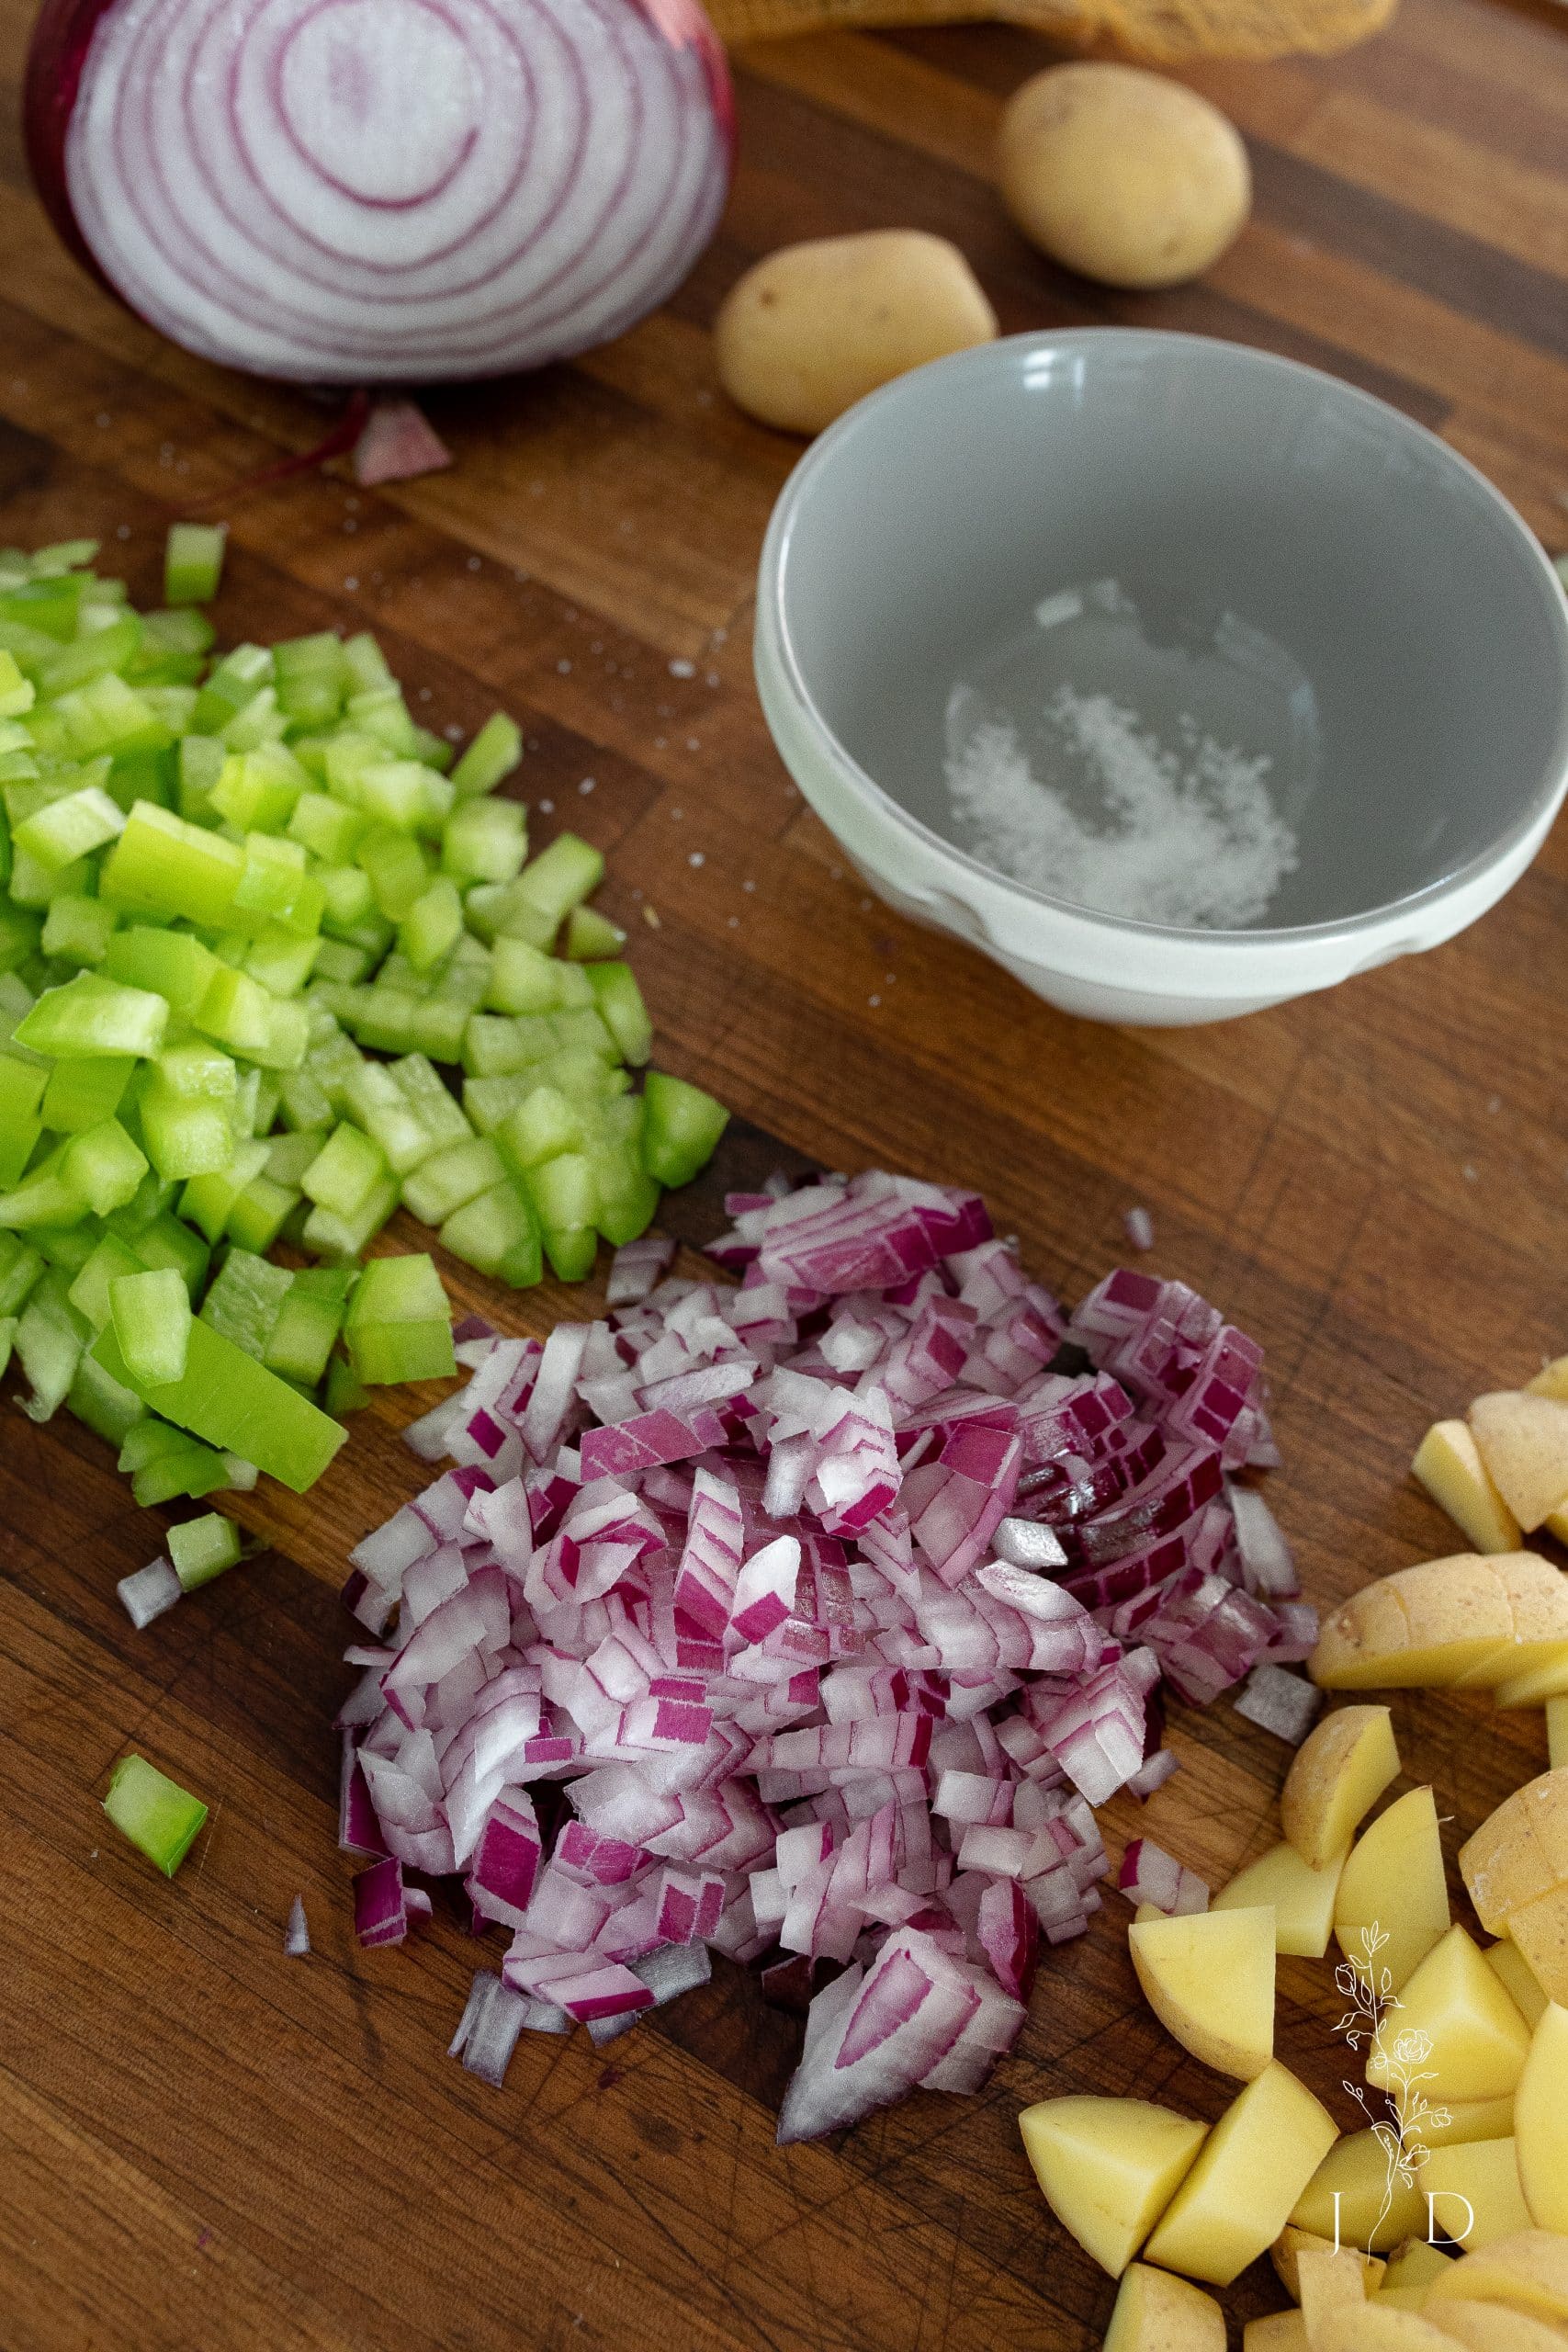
{"points": [[754, 1573], [382, 191]]}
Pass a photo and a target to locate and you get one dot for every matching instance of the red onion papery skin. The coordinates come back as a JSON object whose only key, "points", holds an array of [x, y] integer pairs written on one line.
{"points": [[61, 60]]}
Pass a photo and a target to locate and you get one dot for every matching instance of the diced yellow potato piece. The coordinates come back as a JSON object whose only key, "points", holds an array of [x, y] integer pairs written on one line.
{"points": [[1557, 1731], [1413, 2267], [1447, 1464], [1394, 1883], [1209, 1978], [1253, 2166], [1158, 2313], [1147, 1911], [1487, 2327], [1379, 2328], [1527, 2273], [1522, 1437], [1288, 2248], [1546, 1680], [1540, 2123], [1329, 2282], [1552, 1380], [1350, 2185], [1482, 2176], [1472, 1619], [1301, 1898], [1522, 1986], [1476, 2040], [1280, 2332], [1467, 2118], [1516, 1867], [1108, 2168], [1338, 1774]]}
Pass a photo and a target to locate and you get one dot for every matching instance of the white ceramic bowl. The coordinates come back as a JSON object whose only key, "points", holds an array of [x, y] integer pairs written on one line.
{"points": [[1292, 563]]}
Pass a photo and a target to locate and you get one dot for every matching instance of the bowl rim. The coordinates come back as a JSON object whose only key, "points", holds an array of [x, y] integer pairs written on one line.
{"points": [[775, 638]]}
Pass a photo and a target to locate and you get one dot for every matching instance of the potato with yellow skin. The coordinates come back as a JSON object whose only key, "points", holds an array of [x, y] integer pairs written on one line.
{"points": [[1378, 2329], [1108, 2168], [1288, 2248], [1301, 1898], [1238, 2195], [1522, 1438], [1209, 1978], [1412, 2267], [1527, 2273], [1394, 1881], [1478, 2041], [1329, 2282], [1158, 2313], [1279, 2332], [1121, 174], [1472, 1618], [1513, 1971], [1487, 2327], [1348, 2189], [1484, 2173], [1516, 1867], [1447, 1464], [1338, 1775], [811, 329], [1557, 1731], [1540, 2123]]}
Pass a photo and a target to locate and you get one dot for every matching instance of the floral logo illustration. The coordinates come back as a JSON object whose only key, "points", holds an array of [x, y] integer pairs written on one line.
{"points": [[1367, 1985]]}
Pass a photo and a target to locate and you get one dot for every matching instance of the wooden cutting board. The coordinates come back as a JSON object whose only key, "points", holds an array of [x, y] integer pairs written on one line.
{"points": [[204, 2145]]}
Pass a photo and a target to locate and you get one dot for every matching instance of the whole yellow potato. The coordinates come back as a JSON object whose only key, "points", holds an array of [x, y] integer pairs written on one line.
{"points": [[1121, 174], [813, 328]]}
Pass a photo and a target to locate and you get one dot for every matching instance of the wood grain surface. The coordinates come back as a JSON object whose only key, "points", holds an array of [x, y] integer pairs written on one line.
{"points": [[206, 2148]]}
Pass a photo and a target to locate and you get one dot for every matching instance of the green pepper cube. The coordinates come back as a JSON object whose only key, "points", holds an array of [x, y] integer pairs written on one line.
{"points": [[200, 1549], [345, 1393], [160, 1819], [111, 1259], [236, 1010], [399, 1324], [494, 754], [544, 1124], [103, 1166], [20, 1267], [396, 868], [16, 693], [484, 841], [173, 964], [49, 1339], [328, 827], [327, 1234], [341, 1176], [91, 1016], [71, 828], [380, 1105], [500, 911], [618, 1001], [82, 1094], [22, 1086], [426, 1091], [522, 979], [207, 1200], [497, 1233], [591, 936], [184, 1136], [561, 876], [193, 562], [432, 925], [165, 1241], [562, 1192], [163, 865], [680, 1130], [78, 930], [449, 1179], [151, 1318], [236, 1405], [308, 1324]]}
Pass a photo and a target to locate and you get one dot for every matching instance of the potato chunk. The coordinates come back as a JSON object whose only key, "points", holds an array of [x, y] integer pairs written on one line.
{"points": [[1339, 1773], [1447, 1464], [1540, 2123], [1253, 2166], [1108, 2167], [1157, 2312], [1476, 2040], [1393, 1883], [1522, 1438], [1209, 1978], [1466, 1619]]}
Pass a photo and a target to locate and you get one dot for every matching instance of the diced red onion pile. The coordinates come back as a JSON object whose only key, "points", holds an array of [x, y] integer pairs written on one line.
{"points": [[808, 1620]]}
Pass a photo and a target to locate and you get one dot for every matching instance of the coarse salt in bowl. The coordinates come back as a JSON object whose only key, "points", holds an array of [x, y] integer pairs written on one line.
{"points": [[1179, 678]]}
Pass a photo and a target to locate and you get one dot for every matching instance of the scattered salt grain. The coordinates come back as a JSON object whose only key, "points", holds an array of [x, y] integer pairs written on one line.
{"points": [[698, 857], [586, 786], [546, 808], [683, 669], [1188, 838], [297, 1935], [1140, 1228]]}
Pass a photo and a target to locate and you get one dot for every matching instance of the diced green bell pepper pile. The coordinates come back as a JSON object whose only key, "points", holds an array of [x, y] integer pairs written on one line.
{"points": [[249, 905]]}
